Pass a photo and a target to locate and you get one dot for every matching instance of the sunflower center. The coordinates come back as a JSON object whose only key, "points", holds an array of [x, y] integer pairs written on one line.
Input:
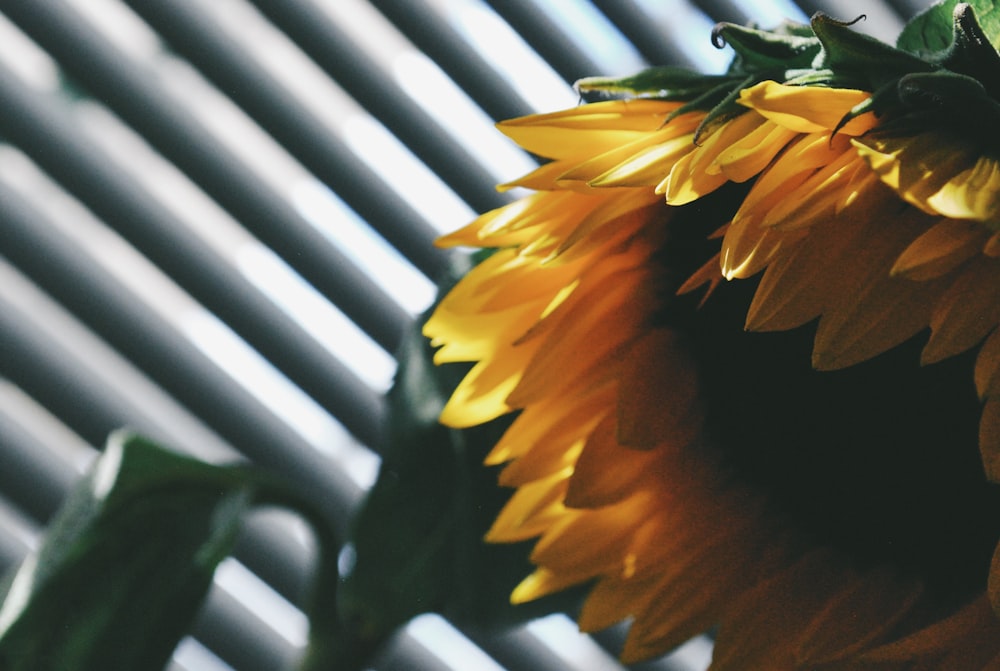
{"points": [[879, 460]]}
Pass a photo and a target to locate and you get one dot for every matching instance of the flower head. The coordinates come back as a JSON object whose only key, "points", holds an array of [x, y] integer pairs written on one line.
{"points": [[712, 317]]}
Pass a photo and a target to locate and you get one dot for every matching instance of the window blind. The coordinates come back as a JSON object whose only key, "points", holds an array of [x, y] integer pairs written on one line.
{"points": [[217, 219]]}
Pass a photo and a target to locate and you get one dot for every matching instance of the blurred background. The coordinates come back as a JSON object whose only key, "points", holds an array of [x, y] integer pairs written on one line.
{"points": [[216, 221]]}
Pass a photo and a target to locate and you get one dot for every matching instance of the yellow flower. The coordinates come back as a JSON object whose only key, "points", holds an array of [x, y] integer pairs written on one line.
{"points": [[699, 475]]}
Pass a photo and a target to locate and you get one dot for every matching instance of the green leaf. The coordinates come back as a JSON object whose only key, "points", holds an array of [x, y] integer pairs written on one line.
{"points": [[987, 13], [416, 544], [129, 559], [933, 32], [126, 564], [929, 32]]}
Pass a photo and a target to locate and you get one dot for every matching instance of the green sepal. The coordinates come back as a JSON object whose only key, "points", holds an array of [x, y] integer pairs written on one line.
{"points": [[662, 83], [957, 102], [784, 48], [721, 105], [850, 55]]}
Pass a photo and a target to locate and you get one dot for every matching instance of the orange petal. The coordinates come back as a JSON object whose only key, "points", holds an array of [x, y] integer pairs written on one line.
{"points": [[967, 312], [861, 613], [593, 542], [993, 589], [944, 247], [988, 366], [605, 471], [613, 599], [659, 399], [935, 639]]}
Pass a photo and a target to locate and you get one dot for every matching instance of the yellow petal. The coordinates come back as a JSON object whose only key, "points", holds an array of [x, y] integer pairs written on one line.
{"points": [[542, 583], [916, 167], [687, 182], [593, 128], [594, 542], [747, 157], [807, 109], [819, 194], [647, 167], [482, 394], [971, 194], [798, 286], [550, 420], [532, 509]]}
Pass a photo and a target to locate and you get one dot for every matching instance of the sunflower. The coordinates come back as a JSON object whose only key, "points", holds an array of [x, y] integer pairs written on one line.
{"points": [[748, 325]]}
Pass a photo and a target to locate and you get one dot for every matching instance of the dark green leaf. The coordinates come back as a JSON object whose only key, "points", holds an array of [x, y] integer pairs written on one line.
{"points": [[929, 32], [987, 14], [126, 564]]}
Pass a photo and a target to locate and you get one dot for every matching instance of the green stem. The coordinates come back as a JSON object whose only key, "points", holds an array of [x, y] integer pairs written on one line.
{"points": [[332, 645]]}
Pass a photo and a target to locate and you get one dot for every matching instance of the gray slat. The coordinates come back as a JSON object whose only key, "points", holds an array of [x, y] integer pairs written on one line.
{"points": [[134, 95], [47, 133]]}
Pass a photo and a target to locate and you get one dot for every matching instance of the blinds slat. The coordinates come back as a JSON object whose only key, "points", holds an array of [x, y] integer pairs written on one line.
{"points": [[881, 20], [58, 376], [548, 39], [194, 34], [239, 637], [725, 10], [647, 37], [53, 140], [135, 96], [59, 379], [30, 474], [40, 478], [518, 649], [466, 66]]}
